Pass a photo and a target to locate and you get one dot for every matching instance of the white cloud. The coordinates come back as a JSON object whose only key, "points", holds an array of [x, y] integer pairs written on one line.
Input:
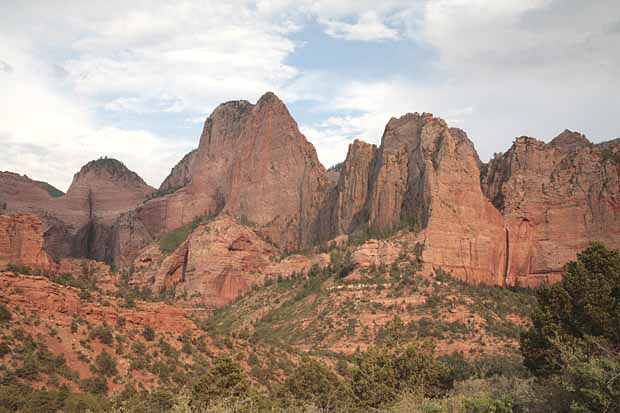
{"points": [[49, 136], [503, 69], [125, 58], [497, 69], [368, 27]]}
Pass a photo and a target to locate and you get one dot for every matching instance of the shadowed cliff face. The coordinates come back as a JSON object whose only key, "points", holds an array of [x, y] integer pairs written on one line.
{"points": [[78, 223]]}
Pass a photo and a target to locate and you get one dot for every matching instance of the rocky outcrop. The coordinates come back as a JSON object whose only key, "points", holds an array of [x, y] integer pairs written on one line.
{"points": [[555, 198], [21, 242], [218, 261], [66, 317], [79, 223], [252, 163], [425, 177], [180, 175]]}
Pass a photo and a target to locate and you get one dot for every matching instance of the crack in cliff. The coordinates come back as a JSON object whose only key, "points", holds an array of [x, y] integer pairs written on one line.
{"points": [[185, 261], [507, 257], [90, 227]]}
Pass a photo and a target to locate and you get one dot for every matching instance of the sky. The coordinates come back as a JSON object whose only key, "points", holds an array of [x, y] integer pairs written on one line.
{"points": [[135, 80]]}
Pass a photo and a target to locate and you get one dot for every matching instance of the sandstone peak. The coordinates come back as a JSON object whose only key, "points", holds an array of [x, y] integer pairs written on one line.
{"points": [[361, 143], [570, 139], [414, 116], [269, 98], [232, 105], [110, 168], [527, 140]]}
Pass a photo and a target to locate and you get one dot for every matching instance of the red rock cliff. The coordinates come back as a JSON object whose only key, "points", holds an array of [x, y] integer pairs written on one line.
{"points": [[556, 198], [21, 242], [252, 163]]}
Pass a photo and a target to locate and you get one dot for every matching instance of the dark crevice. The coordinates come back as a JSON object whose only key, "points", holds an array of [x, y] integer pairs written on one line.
{"points": [[507, 257], [185, 260]]}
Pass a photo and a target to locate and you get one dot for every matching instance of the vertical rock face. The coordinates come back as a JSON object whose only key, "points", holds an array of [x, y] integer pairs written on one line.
{"points": [[180, 175], [252, 163], [400, 154], [353, 186], [425, 176], [514, 220], [555, 198], [464, 233], [21, 241], [254, 160]]}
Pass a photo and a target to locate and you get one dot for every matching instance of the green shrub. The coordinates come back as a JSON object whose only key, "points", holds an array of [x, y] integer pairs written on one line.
{"points": [[103, 333], [148, 333], [314, 383], [19, 269], [106, 364], [609, 155], [225, 380], [170, 241], [95, 385], [381, 374], [5, 314], [341, 262]]}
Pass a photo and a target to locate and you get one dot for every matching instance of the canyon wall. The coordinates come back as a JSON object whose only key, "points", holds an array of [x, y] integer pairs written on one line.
{"points": [[515, 220], [555, 197]]}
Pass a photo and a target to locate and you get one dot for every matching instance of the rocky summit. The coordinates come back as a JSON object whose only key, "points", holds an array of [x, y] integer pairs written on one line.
{"points": [[512, 221]]}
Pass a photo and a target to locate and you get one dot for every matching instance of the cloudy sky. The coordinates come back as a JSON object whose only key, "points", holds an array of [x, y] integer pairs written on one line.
{"points": [[136, 79]]}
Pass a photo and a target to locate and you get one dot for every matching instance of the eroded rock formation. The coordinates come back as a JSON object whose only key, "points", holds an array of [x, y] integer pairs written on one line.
{"points": [[218, 261], [21, 242], [425, 177], [252, 163], [556, 198], [80, 222], [515, 220]]}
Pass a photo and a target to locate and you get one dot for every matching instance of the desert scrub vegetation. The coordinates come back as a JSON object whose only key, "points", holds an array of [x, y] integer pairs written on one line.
{"points": [[568, 362]]}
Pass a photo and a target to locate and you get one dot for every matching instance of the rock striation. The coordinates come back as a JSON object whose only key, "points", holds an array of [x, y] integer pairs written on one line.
{"points": [[252, 163], [21, 242], [555, 198], [218, 261], [515, 220]]}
